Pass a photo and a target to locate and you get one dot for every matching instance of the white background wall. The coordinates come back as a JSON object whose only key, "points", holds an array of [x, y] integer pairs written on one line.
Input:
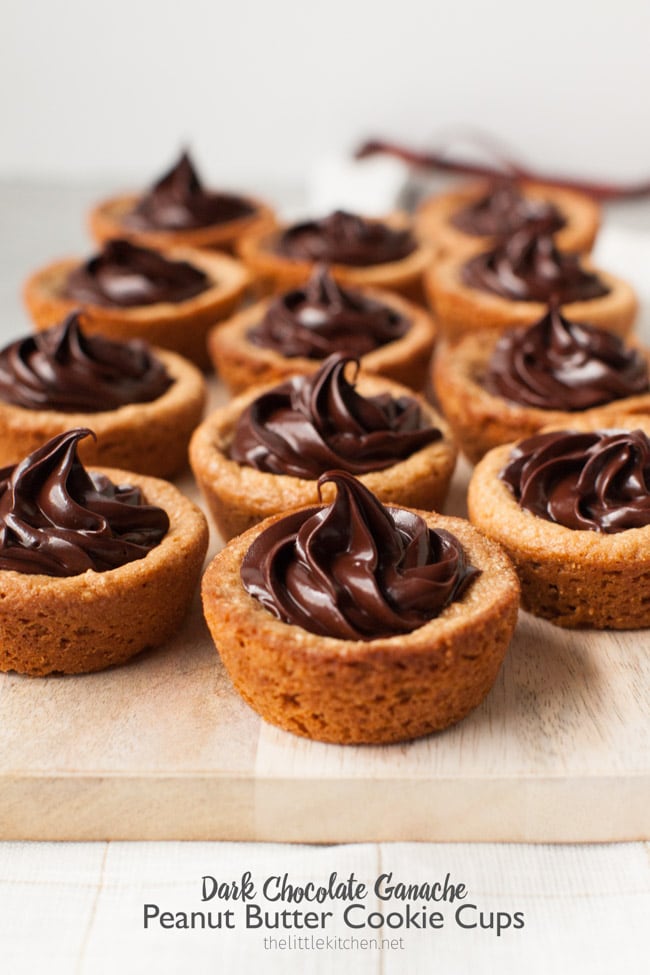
{"points": [[261, 89]]}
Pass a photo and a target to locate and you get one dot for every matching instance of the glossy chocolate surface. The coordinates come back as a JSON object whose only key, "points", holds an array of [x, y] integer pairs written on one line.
{"points": [[57, 519], [528, 267], [345, 238], [179, 201], [585, 481], [62, 369], [354, 569], [321, 318], [124, 275], [557, 364], [311, 424], [503, 210]]}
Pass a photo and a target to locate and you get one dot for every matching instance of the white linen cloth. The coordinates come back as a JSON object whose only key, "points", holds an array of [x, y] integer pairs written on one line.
{"points": [[78, 908]]}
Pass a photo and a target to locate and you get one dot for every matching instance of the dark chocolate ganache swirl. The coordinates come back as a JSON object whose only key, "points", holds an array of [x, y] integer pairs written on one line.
{"points": [[63, 369], [586, 481], [354, 569], [57, 519], [528, 267], [126, 276], [312, 424], [345, 238], [502, 210], [178, 201], [321, 318], [557, 364]]}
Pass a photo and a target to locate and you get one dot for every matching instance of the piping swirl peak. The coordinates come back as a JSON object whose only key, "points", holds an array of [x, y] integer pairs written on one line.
{"points": [[355, 569]]}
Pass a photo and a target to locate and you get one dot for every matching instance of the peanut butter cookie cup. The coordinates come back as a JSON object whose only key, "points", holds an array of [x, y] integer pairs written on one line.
{"points": [[360, 252], [178, 210], [572, 509], [511, 285], [495, 389], [476, 216], [293, 333], [169, 300], [264, 452], [356, 623], [142, 404], [95, 566]]}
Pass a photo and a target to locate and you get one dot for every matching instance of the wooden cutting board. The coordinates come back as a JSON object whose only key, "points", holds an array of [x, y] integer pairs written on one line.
{"points": [[163, 748]]}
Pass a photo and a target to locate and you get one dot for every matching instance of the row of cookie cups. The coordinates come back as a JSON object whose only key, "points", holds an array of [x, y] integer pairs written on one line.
{"points": [[383, 690]]}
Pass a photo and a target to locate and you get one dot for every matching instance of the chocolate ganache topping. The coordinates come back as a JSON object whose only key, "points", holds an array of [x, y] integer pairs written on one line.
{"points": [[125, 276], [63, 369], [528, 267], [315, 423], [322, 318], [354, 569], [345, 238], [57, 519], [503, 210], [557, 364], [586, 481], [178, 201]]}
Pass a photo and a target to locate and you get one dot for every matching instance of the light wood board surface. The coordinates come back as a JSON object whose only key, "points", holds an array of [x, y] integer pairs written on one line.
{"points": [[163, 748]]}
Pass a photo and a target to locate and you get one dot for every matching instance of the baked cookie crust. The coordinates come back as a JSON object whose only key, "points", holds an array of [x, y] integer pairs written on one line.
{"points": [[480, 420], [239, 497], [460, 309], [572, 578], [433, 218], [181, 327], [354, 691], [242, 364], [106, 221], [149, 438], [87, 622], [275, 273]]}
